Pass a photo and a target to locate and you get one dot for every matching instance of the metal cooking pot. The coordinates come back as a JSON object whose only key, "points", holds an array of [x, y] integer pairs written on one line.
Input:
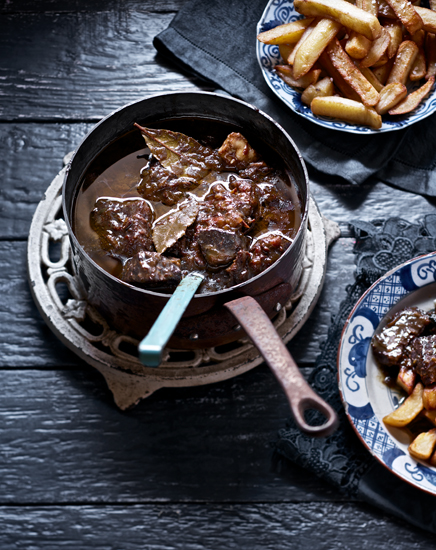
{"points": [[209, 320]]}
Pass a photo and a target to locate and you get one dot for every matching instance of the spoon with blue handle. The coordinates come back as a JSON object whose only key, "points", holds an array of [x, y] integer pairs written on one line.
{"points": [[152, 346]]}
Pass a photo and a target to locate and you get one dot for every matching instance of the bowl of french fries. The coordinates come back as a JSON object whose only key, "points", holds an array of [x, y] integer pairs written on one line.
{"points": [[363, 67], [384, 382]]}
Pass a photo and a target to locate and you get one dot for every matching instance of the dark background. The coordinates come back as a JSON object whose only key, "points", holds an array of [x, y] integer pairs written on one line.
{"points": [[186, 468]]}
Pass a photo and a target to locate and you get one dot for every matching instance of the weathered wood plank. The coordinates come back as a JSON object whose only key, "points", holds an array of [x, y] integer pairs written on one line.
{"points": [[64, 441], [192, 526], [60, 6], [79, 66]]}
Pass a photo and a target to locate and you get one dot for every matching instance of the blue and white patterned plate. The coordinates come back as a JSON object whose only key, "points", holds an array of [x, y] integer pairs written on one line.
{"points": [[278, 12], [365, 396]]}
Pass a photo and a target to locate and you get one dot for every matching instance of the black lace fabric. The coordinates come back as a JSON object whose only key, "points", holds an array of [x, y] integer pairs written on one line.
{"points": [[341, 458]]}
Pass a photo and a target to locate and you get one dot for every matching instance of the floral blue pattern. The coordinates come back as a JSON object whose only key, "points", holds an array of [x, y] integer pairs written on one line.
{"points": [[361, 400], [278, 12]]}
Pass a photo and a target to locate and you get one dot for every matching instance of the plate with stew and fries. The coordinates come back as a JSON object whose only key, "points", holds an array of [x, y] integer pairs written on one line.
{"points": [[363, 68], [387, 390]]}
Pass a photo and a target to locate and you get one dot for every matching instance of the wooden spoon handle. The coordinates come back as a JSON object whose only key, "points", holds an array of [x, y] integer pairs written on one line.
{"points": [[300, 395]]}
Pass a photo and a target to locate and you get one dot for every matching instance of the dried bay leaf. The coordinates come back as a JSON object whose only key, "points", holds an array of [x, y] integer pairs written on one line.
{"points": [[169, 228], [180, 154]]}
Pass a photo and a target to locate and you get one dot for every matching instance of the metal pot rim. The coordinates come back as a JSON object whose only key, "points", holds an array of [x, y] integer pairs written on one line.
{"points": [[203, 295]]}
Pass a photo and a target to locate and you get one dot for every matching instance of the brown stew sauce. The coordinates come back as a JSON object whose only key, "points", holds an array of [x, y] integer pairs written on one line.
{"points": [[230, 225]]}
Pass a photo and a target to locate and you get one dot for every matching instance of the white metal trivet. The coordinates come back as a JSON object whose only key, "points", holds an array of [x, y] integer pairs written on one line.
{"points": [[114, 354]]}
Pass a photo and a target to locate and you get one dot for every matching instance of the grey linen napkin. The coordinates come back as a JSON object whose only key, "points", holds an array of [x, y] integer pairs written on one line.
{"points": [[216, 41], [341, 459]]}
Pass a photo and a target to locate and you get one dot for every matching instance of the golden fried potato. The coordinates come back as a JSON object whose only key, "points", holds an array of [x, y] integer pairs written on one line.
{"points": [[371, 78], [408, 411], [357, 45], [378, 48], [430, 51], [322, 88], [338, 79], [423, 445], [345, 109], [404, 60], [286, 74], [345, 13], [395, 30], [412, 101], [419, 67], [407, 14], [429, 398], [286, 52], [371, 6], [428, 18], [289, 33], [310, 50], [406, 378], [351, 74]]}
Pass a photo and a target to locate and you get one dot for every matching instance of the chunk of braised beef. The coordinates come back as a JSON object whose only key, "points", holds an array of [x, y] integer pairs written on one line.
{"points": [[152, 269], [256, 171], [123, 225], [423, 357], [390, 345], [238, 270], [218, 246], [265, 251], [159, 184], [188, 250], [237, 152], [233, 210], [277, 211]]}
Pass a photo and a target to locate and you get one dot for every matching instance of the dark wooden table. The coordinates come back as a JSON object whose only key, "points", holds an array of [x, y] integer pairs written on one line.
{"points": [[186, 468]]}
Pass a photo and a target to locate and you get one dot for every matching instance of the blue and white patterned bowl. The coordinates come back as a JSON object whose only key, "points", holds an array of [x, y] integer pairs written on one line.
{"points": [[278, 12], [365, 396]]}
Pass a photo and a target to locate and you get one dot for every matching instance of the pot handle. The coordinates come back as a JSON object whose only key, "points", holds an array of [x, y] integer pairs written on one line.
{"points": [[300, 395], [151, 347]]}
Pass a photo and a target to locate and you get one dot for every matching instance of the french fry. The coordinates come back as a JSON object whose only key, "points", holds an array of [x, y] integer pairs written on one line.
{"points": [[286, 74], [412, 101], [407, 14], [406, 378], [286, 51], [302, 39], [408, 411], [378, 48], [385, 10], [371, 78], [371, 6], [357, 46], [419, 38], [423, 445], [345, 13], [430, 50], [430, 415], [429, 398], [347, 110], [338, 79], [382, 72], [395, 29], [428, 18], [406, 54], [351, 74], [419, 68], [322, 88], [289, 33], [308, 53]]}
